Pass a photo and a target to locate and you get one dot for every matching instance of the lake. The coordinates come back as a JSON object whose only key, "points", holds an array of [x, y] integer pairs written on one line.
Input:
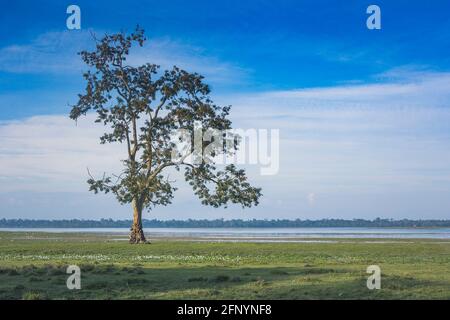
{"points": [[262, 234]]}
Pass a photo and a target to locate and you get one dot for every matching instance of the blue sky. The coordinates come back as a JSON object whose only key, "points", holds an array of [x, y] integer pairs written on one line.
{"points": [[363, 114]]}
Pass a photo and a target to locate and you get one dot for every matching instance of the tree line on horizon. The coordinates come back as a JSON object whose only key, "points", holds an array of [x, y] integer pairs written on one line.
{"points": [[221, 223]]}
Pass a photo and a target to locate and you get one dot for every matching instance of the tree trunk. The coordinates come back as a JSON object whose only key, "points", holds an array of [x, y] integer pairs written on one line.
{"points": [[137, 234]]}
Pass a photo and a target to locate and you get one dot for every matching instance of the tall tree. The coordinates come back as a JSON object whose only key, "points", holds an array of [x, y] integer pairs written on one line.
{"points": [[142, 106]]}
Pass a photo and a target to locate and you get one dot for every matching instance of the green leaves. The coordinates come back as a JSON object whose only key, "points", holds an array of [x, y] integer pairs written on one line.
{"points": [[229, 185], [141, 107]]}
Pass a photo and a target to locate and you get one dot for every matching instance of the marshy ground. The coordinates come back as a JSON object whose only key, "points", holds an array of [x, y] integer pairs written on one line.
{"points": [[33, 266]]}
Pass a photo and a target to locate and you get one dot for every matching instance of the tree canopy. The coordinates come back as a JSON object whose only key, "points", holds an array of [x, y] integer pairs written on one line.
{"points": [[143, 106]]}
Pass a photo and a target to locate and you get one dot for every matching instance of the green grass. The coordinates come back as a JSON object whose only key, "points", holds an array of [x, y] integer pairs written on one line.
{"points": [[33, 265]]}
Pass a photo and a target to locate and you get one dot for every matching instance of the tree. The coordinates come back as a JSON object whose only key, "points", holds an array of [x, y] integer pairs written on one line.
{"points": [[142, 106]]}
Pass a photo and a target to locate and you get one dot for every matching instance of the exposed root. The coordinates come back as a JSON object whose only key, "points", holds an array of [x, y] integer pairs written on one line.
{"points": [[137, 235]]}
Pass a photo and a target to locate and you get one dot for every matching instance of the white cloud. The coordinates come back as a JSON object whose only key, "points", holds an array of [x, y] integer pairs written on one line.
{"points": [[167, 53], [51, 153], [368, 150], [52, 52], [361, 138], [407, 91], [56, 52]]}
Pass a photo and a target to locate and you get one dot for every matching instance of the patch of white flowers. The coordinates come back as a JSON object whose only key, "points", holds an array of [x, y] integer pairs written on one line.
{"points": [[143, 258], [37, 257], [187, 258]]}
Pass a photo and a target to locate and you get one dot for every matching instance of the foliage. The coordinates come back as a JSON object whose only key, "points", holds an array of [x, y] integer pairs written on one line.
{"points": [[143, 106]]}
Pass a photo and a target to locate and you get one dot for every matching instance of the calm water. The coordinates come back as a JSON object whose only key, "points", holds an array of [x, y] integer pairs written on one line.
{"points": [[265, 233]]}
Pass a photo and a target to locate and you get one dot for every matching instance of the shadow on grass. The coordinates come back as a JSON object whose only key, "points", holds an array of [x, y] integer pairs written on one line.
{"points": [[190, 282]]}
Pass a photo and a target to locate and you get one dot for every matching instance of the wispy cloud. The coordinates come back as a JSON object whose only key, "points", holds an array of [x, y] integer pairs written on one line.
{"points": [[52, 52], [396, 89], [51, 153], [56, 53], [354, 146], [167, 53]]}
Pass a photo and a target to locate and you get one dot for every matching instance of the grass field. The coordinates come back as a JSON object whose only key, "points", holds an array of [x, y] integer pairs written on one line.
{"points": [[33, 266]]}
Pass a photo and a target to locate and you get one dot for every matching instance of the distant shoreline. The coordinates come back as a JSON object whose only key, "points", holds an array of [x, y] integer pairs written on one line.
{"points": [[219, 223], [256, 235]]}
